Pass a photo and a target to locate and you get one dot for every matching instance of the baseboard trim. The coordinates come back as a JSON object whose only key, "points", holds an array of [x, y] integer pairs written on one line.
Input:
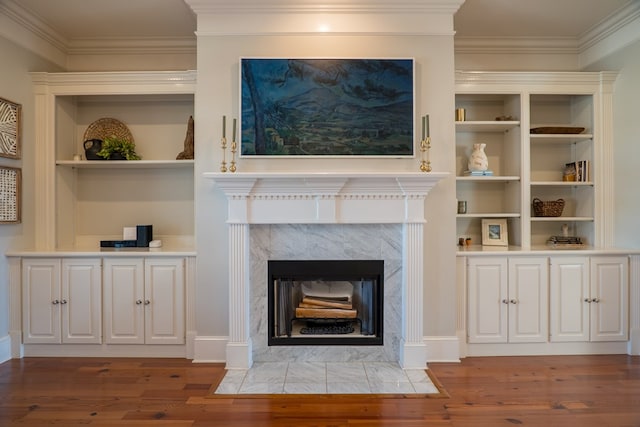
{"points": [[210, 349], [5, 348], [442, 349]]}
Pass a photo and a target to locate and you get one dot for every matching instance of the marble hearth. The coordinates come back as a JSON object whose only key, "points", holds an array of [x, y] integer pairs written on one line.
{"points": [[326, 216]]}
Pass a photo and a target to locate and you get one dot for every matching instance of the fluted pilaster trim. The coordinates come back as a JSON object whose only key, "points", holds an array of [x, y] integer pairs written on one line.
{"points": [[413, 352]]}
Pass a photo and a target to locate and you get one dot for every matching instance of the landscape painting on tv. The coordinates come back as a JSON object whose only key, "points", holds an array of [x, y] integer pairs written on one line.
{"points": [[326, 107]]}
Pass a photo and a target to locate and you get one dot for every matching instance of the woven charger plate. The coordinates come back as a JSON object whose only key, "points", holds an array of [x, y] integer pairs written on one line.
{"points": [[105, 127], [557, 130]]}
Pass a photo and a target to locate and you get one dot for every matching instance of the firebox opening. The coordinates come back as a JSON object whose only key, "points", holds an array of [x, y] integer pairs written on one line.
{"points": [[325, 302]]}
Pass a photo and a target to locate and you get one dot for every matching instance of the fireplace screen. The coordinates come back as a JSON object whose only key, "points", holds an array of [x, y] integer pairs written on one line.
{"points": [[325, 302]]}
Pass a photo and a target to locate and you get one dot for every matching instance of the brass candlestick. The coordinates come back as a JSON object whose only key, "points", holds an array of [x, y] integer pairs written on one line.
{"points": [[425, 163], [234, 146], [223, 166]]}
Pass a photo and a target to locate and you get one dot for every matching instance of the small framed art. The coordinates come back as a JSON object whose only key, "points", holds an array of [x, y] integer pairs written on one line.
{"points": [[10, 123], [10, 182], [494, 232]]}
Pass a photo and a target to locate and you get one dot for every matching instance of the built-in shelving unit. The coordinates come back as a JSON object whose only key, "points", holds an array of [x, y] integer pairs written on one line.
{"points": [[94, 199], [501, 109], [498, 195]]}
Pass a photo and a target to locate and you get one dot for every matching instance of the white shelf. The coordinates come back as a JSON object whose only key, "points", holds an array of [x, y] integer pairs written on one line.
{"points": [[559, 138], [492, 178], [126, 164], [562, 183], [561, 218], [486, 126], [489, 215]]}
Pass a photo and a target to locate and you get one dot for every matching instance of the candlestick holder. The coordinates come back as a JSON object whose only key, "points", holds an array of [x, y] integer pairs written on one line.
{"points": [[223, 166], [425, 146], [234, 148]]}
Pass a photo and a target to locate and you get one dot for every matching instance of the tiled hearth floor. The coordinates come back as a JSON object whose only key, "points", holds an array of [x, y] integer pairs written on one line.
{"points": [[324, 378]]}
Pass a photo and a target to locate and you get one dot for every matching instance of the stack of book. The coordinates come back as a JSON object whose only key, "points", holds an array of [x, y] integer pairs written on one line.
{"points": [[478, 173], [565, 241], [580, 170]]}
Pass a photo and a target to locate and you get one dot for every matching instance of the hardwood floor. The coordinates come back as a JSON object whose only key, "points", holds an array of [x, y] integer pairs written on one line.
{"points": [[493, 391]]}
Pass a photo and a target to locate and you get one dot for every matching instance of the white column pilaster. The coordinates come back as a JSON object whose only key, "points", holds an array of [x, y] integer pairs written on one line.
{"points": [[413, 351], [239, 351]]}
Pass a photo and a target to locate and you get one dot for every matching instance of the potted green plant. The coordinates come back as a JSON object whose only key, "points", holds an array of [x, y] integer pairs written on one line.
{"points": [[114, 148]]}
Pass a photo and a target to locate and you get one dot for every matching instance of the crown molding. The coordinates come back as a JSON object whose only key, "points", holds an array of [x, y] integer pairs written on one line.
{"points": [[31, 33], [617, 31], [132, 46], [335, 17], [515, 45], [327, 6]]}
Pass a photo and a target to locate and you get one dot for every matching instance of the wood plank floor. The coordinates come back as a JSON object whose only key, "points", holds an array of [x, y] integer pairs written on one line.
{"points": [[492, 391]]}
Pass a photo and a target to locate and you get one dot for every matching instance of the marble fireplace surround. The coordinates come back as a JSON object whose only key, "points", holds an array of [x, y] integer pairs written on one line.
{"points": [[326, 198]]}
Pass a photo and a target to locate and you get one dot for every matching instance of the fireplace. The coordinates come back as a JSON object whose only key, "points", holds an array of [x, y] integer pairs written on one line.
{"points": [[292, 203], [325, 302]]}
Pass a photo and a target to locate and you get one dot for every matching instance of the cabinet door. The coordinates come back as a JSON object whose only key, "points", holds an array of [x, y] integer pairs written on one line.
{"points": [[41, 300], [569, 299], [164, 301], [528, 299], [124, 300], [609, 298], [488, 303], [81, 301]]}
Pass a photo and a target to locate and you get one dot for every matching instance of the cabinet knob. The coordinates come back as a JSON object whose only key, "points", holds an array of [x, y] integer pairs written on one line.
{"points": [[505, 301], [55, 302], [513, 301], [587, 300], [64, 301], [596, 300], [138, 301], [147, 302]]}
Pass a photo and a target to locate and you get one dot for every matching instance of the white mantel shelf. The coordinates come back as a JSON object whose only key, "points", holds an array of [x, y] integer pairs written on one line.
{"points": [[326, 197]]}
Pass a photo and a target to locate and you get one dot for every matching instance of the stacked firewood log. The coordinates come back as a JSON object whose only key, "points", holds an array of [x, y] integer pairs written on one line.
{"points": [[329, 301]]}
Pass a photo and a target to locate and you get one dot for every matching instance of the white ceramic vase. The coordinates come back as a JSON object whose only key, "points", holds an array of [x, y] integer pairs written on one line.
{"points": [[478, 160]]}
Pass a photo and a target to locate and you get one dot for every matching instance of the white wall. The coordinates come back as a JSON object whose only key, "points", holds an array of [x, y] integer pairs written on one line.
{"points": [[217, 95], [15, 85], [626, 140]]}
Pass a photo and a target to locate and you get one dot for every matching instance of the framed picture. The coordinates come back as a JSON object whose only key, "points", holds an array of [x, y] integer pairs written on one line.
{"points": [[494, 232], [10, 186], [10, 124], [326, 107]]}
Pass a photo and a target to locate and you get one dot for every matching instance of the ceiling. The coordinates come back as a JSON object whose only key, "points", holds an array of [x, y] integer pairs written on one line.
{"points": [[84, 20], [532, 18]]}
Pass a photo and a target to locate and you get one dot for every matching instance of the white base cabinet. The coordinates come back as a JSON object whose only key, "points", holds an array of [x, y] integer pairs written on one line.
{"points": [[507, 300], [589, 299], [144, 301], [545, 304], [61, 301]]}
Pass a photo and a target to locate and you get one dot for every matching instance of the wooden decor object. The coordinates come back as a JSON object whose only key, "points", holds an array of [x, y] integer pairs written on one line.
{"points": [[188, 152]]}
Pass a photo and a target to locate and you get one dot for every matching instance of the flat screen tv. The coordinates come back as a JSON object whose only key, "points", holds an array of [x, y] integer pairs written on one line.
{"points": [[326, 107]]}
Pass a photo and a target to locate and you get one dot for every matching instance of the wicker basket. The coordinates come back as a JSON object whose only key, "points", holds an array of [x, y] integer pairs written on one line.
{"points": [[549, 208]]}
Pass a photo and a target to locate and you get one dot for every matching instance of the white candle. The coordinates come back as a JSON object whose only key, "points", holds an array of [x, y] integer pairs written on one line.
{"points": [[234, 130], [224, 126], [426, 120]]}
